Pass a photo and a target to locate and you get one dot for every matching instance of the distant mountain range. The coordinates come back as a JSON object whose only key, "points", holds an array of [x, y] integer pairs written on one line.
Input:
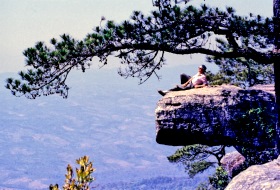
{"points": [[106, 117]]}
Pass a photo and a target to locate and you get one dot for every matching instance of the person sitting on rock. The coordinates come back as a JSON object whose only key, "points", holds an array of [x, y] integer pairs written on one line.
{"points": [[197, 81]]}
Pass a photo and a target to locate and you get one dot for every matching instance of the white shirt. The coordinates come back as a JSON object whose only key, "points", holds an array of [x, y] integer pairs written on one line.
{"points": [[199, 79]]}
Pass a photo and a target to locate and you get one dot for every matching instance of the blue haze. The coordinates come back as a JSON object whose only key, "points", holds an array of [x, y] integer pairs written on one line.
{"points": [[106, 117]]}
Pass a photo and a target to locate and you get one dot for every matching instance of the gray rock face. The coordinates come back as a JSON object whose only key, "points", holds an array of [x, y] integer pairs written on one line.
{"points": [[266, 176], [210, 116]]}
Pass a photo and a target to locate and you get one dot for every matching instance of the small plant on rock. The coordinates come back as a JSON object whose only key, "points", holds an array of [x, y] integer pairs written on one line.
{"points": [[220, 179]]}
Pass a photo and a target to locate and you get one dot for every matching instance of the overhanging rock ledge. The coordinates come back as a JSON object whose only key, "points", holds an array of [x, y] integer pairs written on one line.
{"points": [[211, 116]]}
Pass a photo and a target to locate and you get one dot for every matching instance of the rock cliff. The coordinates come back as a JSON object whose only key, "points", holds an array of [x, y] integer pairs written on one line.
{"points": [[266, 176], [220, 115]]}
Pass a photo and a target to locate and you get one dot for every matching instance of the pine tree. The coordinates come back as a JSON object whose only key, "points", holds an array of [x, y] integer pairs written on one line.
{"points": [[142, 41]]}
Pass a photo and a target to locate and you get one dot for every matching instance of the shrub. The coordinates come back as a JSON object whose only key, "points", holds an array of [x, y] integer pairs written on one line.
{"points": [[83, 177]]}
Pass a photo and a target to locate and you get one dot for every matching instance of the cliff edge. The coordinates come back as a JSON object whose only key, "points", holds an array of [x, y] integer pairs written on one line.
{"points": [[220, 115]]}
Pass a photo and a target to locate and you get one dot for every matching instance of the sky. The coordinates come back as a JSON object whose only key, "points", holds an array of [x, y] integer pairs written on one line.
{"points": [[25, 22]]}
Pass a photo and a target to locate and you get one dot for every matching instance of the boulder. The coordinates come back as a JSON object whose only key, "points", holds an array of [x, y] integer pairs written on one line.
{"points": [[266, 176], [232, 162]]}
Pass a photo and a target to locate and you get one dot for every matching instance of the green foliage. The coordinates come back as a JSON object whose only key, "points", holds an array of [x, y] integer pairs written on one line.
{"points": [[141, 42], [195, 158], [261, 123], [83, 177], [259, 120], [220, 179], [199, 167], [240, 72]]}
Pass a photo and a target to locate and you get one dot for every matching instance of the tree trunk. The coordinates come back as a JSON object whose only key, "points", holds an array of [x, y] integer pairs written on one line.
{"points": [[276, 14]]}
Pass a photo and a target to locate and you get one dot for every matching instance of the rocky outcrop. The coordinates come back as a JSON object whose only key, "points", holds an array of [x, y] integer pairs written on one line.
{"points": [[232, 162], [221, 115], [266, 176]]}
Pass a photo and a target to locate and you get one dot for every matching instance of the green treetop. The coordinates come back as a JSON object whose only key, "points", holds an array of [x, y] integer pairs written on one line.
{"points": [[142, 41]]}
